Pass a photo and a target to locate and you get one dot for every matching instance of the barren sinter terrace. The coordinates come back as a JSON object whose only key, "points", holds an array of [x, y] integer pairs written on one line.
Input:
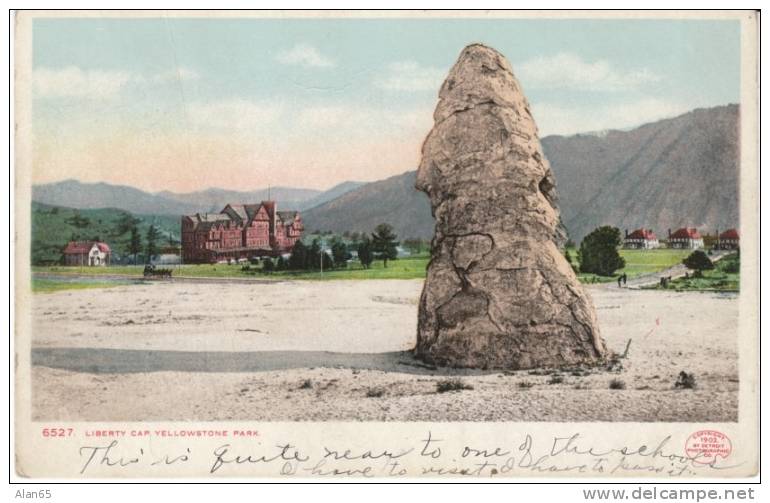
{"points": [[338, 350]]}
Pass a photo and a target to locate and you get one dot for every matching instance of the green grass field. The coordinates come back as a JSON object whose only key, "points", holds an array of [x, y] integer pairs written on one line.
{"points": [[723, 278], [43, 285], [404, 268], [638, 263]]}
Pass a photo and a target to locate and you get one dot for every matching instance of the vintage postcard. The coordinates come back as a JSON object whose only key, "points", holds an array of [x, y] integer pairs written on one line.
{"points": [[386, 245]]}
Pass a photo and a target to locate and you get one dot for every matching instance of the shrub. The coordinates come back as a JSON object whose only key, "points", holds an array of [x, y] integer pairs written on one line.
{"points": [[524, 384], [730, 264], [617, 384], [451, 385], [686, 380], [306, 384], [698, 261], [375, 392]]}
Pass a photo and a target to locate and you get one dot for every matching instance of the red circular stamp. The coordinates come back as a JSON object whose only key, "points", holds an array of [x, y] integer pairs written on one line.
{"points": [[706, 446]]}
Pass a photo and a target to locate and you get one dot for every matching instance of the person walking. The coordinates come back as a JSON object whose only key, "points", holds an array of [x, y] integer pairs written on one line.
{"points": [[625, 279], [620, 279]]}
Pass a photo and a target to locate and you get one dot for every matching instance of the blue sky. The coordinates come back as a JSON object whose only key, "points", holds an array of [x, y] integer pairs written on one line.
{"points": [[307, 102]]}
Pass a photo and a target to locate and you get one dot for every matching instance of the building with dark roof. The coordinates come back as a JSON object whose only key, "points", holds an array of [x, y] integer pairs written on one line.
{"points": [[239, 231], [87, 253], [642, 239], [685, 238], [728, 240]]}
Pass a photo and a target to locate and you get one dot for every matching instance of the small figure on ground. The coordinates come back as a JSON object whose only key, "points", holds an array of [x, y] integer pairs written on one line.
{"points": [[620, 280]]}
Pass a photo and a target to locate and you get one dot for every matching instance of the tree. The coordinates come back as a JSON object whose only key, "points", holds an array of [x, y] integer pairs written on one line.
{"points": [[267, 265], [599, 252], [365, 255], [152, 242], [568, 256], [699, 262], [135, 243], [78, 220], [298, 257], [340, 253], [280, 264], [384, 243], [314, 255], [125, 223]]}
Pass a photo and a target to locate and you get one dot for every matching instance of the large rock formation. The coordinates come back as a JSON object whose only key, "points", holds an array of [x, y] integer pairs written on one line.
{"points": [[499, 294]]}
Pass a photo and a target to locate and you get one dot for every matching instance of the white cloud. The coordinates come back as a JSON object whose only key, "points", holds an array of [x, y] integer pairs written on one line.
{"points": [[570, 71], [75, 82], [411, 76], [237, 115], [304, 55], [568, 120]]}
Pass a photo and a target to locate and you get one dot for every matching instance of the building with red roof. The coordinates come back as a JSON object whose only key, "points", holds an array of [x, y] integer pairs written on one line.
{"points": [[641, 239], [239, 231], [728, 240], [87, 253], [685, 238]]}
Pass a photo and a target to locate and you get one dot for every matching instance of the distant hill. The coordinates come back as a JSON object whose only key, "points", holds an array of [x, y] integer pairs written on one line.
{"points": [[75, 194], [393, 200], [667, 174], [54, 226]]}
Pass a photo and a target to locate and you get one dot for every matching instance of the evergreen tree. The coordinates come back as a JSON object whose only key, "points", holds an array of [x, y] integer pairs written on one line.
{"points": [[384, 243], [135, 243], [340, 253], [599, 252], [314, 255], [126, 223], [298, 257], [365, 255], [152, 242]]}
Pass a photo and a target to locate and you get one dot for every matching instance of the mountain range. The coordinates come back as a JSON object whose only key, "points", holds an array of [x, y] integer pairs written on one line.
{"points": [[664, 175], [676, 172], [75, 194]]}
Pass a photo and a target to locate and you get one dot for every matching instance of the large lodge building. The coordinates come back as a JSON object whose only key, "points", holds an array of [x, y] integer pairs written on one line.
{"points": [[239, 231]]}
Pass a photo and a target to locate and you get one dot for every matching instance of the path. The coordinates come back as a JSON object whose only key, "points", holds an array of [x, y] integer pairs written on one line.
{"points": [[677, 271]]}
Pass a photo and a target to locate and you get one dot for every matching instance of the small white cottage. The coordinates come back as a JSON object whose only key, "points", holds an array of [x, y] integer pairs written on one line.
{"points": [[87, 253]]}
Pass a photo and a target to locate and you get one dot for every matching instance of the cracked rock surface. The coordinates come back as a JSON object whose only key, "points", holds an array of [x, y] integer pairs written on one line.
{"points": [[499, 293]]}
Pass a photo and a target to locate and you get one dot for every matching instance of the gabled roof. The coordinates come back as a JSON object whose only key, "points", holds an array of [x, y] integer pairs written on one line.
{"points": [[80, 247], [645, 234], [287, 217], [236, 212], [729, 234], [686, 233]]}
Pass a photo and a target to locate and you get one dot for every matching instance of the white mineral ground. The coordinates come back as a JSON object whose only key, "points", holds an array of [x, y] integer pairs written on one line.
{"points": [[213, 352]]}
